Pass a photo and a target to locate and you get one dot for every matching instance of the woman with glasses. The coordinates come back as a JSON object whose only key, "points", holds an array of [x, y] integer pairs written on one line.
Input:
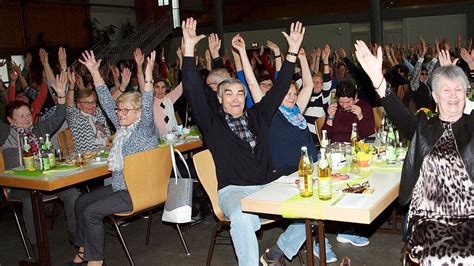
{"points": [[132, 116], [87, 122]]}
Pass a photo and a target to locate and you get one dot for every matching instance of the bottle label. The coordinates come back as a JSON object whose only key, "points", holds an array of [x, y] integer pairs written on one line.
{"points": [[323, 164], [391, 153], [29, 163], [52, 160], [46, 165], [324, 187]]}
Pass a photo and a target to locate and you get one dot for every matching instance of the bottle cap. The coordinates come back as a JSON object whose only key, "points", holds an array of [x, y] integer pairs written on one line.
{"points": [[303, 148]]}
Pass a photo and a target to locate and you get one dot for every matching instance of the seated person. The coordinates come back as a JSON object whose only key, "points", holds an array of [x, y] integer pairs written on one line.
{"points": [[321, 93], [163, 110], [437, 177], [87, 122], [348, 110], [132, 115], [238, 141], [20, 118]]}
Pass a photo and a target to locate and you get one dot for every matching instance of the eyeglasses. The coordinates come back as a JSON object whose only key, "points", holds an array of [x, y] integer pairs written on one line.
{"points": [[88, 102], [424, 74], [357, 188], [124, 110]]}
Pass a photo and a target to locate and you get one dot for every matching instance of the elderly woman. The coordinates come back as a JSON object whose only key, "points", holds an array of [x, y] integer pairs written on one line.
{"points": [[87, 122], [132, 115], [348, 110], [438, 171], [20, 118]]}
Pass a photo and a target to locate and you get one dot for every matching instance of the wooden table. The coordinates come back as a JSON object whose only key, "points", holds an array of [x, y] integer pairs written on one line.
{"points": [[57, 180], [354, 208], [49, 182]]}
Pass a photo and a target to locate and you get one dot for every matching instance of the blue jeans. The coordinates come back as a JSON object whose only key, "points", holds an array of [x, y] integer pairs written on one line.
{"points": [[244, 225]]}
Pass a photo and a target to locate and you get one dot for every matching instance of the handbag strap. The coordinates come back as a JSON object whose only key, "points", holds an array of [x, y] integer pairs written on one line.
{"points": [[177, 174]]}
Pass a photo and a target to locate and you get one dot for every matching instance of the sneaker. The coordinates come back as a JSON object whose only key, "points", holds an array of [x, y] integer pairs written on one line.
{"points": [[358, 241], [330, 255], [267, 260]]}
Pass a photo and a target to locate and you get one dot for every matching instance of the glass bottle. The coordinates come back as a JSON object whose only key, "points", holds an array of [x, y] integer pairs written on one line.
{"points": [[28, 158], [355, 169], [324, 177], [305, 173], [50, 152], [43, 155], [391, 146], [324, 138]]}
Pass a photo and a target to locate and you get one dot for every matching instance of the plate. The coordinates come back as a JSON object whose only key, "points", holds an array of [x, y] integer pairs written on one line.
{"points": [[98, 160]]}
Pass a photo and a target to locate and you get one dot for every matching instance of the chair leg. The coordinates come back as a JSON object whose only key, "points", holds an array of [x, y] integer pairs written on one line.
{"points": [[148, 228], [183, 240], [217, 228], [117, 229], [22, 235]]}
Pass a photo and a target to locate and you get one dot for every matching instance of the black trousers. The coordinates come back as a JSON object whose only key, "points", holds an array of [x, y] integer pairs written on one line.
{"points": [[91, 209]]}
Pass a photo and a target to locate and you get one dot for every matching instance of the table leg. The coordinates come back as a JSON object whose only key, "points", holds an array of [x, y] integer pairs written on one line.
{"points": [[322, 243], [309, 243], [40, 227]]}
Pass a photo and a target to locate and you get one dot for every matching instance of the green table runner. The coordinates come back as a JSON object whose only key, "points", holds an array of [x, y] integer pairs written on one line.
{"points": [[59, 168]]}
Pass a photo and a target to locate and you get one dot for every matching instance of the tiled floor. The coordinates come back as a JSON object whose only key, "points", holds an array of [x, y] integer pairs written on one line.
{"points": [[166, 249]]}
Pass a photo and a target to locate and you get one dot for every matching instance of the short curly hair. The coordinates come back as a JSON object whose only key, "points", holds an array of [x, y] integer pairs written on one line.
{"points": [[346, 89]]}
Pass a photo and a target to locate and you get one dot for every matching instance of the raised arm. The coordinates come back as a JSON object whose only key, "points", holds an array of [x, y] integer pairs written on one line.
{"points": [[103, 93], [46, 67], [305, 92], [415, 79], [239, 73], [239, 44], [21, 78], [126, 75], [139, 59], [192, 82], [396, 110], [277, 53], [315, 58], [71, 84], [147, 97]]}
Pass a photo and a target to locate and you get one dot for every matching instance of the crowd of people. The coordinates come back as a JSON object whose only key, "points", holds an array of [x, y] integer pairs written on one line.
{"points": [[255, 112]]}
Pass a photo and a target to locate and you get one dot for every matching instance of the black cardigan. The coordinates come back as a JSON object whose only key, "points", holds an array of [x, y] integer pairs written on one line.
{"points": [[424, 134], [235, 162]]}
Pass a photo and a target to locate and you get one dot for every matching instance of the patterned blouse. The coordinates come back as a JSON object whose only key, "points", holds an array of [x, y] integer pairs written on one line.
{"points": [[89, 132], [144, 136]]}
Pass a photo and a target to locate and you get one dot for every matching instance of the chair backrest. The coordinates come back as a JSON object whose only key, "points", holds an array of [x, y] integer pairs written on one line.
{"points": [[319, 125], [66, 142], [146, 175], [2, 162], [378, 114], [206, 171]]}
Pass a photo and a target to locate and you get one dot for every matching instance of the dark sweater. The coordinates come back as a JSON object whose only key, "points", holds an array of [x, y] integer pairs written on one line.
{"points": [[286, 141], [235, 162], [342, 124]]}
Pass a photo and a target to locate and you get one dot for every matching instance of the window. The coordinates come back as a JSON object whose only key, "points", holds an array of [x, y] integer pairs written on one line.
{"points": [[163, 2], [175, 13]]}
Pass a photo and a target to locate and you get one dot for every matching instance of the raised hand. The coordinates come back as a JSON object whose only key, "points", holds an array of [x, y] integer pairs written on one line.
{"points": [[274, 47], [301, 53], [445, 59], [468, 58], [149, 71], [2, 62], [316, 53], [89, 61], [214, 45], [71, 78], [189, 36], [43, 57], [326, 52], [295, 38], [59, 85], [138, 56], [341, 53], [371, 64], [15, 68], [79, 82], [126, 75], [62, 58], [239, 43], [13, 76]]}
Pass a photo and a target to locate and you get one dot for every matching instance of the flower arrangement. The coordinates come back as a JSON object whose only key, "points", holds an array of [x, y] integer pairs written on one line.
{"points": [[364, 152], [429, 114]]}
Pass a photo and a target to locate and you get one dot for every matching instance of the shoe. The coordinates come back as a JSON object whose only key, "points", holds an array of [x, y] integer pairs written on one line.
{"points": [[72, 263], [330, 255], [358, 241], [267, 260]]}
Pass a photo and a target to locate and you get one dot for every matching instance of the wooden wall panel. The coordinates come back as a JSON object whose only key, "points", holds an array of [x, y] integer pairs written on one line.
{"points": [[11, 40]]}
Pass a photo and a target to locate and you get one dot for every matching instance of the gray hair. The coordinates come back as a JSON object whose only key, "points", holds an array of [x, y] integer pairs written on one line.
{"points": [[218, 75], [451, 73], [226, 83]]}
